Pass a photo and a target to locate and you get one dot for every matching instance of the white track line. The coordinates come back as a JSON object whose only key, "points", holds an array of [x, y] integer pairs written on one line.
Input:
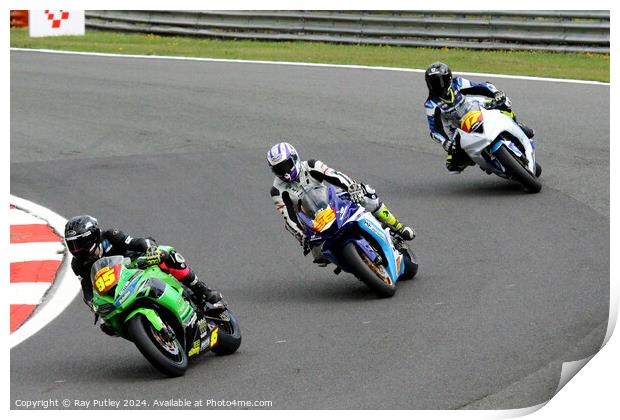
{"points": [[33, 251], [19, 217], [295, 63], [62, 292], [27, 293]]}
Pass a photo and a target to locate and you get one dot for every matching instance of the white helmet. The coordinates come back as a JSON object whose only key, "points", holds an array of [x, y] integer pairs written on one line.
{"points": [[284, 162]]}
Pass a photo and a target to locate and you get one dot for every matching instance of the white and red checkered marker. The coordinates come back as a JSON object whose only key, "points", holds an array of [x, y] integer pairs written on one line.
{"points": [[55, 22], [56, 17], [36, 252]]}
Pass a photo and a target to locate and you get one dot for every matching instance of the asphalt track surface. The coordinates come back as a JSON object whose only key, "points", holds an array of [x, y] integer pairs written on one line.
{"points": [[510, 285]]}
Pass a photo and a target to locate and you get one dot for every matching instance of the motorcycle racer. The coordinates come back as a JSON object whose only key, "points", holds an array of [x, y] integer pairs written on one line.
{"points": [[87, 242], [292, 175], [445, 94]]}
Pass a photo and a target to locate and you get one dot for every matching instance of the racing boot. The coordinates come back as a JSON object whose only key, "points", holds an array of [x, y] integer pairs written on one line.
{"points": [[456, 162], [210, 299], [384, 215]]}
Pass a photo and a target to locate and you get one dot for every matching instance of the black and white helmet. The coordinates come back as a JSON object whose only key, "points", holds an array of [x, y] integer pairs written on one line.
{"points": [[438, 78], [82, 235]]}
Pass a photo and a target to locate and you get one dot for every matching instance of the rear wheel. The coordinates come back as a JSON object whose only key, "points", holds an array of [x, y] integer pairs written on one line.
{"points": [[517, 171], [166, 354], [375, 277], [229, 334]]}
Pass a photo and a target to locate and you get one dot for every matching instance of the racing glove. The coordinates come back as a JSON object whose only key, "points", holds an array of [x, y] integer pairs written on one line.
{"points": [[153, 255], [357, 193], [449, 146], [501, 100]]}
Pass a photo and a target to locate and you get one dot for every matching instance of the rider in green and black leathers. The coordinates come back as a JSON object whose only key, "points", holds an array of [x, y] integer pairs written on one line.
{"points": [[87, 243]]}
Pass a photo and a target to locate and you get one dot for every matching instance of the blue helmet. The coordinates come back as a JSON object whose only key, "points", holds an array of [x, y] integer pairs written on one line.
{"points": [[284, 162]]}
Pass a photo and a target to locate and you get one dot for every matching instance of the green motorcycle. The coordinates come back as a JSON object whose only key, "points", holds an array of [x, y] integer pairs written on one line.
{"points": [[149, 307]]}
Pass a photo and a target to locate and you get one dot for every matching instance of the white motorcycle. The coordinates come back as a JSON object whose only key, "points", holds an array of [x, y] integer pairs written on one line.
{"points": [[495, 142]]}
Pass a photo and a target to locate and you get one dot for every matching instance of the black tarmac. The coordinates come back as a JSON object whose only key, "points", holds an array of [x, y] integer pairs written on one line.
{"points": [[510, 284]]}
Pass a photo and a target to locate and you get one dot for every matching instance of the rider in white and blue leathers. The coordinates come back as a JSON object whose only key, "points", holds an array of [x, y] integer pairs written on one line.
{"points": [[293, 175], [445, 93]]}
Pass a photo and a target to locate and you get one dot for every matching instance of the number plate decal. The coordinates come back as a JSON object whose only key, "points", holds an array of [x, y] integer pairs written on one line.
{"points": [[323, 218], [106, 278]]}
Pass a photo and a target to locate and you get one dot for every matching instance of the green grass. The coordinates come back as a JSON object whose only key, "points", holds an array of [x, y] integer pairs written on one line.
{"points": [[526, 63]]}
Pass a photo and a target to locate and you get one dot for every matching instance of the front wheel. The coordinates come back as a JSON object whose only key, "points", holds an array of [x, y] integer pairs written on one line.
{"points": [[167, 355], [374, 276], [411, 264], [517, 171]]}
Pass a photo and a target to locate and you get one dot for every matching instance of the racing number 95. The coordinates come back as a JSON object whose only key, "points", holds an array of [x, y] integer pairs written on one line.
{"points": [[104, 279]]}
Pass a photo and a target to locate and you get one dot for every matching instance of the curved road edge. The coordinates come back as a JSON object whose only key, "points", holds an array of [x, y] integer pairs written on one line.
{"points": [[301, 63], [62, 292]]}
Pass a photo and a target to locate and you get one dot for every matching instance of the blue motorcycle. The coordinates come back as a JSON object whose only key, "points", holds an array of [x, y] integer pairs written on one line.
{"points": [[353, 239]]}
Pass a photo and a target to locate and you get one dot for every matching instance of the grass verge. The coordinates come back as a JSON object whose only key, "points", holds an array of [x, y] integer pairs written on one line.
{"points": [[582, 66]]}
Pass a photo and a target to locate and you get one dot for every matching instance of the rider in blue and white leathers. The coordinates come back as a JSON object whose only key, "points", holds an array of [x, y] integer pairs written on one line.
{"points": [[445, 94], [293, 176]]}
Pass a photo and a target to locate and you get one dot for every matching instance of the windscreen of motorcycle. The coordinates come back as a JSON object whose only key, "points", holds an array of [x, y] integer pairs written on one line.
{"points": [[463, 112], [315, 205], [105, 273]]}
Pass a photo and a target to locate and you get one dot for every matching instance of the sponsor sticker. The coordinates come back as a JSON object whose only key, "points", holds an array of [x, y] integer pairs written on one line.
{"points": [[195, 348], [471, 121], [373, 228]]}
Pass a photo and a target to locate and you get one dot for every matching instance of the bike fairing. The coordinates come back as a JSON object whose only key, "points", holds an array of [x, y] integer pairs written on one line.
{"points": [[287, 195], [331, 232], [114, 280], [494, 141], [482, 132], [121, 291]]}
